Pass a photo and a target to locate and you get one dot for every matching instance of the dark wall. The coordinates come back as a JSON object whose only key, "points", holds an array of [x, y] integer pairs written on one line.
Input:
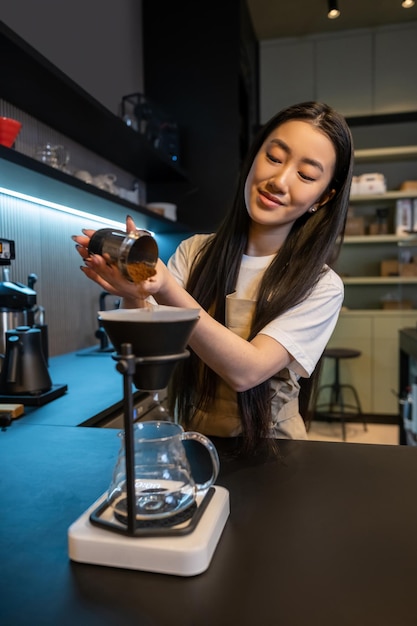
{"points": [[193, 68], [97, 43]]}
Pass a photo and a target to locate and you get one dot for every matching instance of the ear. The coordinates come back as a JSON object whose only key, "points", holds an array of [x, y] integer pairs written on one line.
{"points": [[323, 201]]}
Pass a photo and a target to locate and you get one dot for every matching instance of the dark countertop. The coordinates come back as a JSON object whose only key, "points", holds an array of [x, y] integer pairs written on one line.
{"points": [[408, 341], [323, 535]]}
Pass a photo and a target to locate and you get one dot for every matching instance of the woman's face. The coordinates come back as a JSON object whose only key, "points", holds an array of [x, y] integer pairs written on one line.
{"points": [[289, 175]]}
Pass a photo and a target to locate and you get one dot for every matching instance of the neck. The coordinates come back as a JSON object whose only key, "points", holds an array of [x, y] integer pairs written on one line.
{"points": [[265, 240]]}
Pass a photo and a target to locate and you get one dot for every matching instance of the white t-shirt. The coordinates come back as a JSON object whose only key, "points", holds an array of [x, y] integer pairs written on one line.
{"points": [[303, 330]]}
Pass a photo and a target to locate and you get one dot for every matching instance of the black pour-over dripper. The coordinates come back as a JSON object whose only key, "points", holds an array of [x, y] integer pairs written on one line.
{"points": [[158, 336], [149, 342]]}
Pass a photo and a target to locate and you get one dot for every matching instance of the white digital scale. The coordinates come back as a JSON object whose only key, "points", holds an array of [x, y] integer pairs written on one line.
{"points": [[182, 555]]}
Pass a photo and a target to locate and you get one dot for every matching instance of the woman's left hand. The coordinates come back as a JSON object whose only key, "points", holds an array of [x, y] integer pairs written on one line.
{"points": [[109, 277]]}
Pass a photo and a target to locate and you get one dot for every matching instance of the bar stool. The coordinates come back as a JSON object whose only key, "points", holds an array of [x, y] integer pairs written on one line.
{"points": [[337, 408]]}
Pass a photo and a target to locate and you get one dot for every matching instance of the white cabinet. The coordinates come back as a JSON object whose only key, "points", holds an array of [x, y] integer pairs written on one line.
{"points": [[375, 374], [395, 51], [345, 80], [352, 331]]}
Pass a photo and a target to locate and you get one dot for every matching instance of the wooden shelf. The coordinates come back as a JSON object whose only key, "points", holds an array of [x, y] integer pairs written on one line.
{"points": [[383, 197], [379, 280], [395, 153], [376, 239]]}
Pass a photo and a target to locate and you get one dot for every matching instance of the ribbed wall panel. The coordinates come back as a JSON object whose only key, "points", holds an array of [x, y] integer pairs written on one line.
{"points": [[44, 247], [43, 242]]}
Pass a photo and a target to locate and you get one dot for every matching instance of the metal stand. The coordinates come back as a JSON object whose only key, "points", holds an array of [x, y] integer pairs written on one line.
{"points": [[127, 364]]}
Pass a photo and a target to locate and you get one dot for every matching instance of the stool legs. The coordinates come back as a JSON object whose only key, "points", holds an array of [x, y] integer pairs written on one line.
{"points": [[336, 407]]}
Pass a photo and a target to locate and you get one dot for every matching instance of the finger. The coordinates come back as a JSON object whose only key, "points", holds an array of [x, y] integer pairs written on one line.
{"points": [[92, 275], [100, 264], [82, 251], [88, 232], [81, 240], [130, 224]]}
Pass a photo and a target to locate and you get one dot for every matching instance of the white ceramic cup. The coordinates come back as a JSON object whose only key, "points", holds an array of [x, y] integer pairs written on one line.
{"points": [[84, 176], [106, 182]]}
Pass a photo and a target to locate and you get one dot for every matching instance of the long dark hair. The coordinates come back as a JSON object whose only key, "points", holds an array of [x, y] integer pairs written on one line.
{"points": [[314, 240]]}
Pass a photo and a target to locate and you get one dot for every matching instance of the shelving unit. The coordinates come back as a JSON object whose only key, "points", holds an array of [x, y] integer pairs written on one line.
{"points": [[363, 322], [33, 84], [359, 265], [360, 261]]}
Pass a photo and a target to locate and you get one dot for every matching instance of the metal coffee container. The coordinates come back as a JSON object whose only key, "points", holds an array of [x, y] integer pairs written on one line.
{"points": [[136, 250]]}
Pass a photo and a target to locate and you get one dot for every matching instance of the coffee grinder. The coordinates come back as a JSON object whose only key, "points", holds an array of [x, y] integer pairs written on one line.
{"points": [[24, 375], [17, 301]]}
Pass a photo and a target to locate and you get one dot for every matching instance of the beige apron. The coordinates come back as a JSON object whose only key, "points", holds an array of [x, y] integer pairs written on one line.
{"points": [[223, 418]]}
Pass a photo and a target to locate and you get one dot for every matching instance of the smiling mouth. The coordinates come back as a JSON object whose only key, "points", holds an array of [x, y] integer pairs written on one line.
{"points": [[269, 200]]}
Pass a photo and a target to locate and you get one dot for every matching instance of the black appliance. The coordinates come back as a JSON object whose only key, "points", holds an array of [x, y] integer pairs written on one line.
{"points": [[23, 339]]}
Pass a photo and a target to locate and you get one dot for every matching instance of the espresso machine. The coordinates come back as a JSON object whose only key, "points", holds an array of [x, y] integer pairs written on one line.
{"points": [[162, 512], [24, 375]]}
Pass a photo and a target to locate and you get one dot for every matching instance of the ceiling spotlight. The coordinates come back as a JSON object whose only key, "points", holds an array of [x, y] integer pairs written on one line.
{"points": [[407, 4], [334, 9]]}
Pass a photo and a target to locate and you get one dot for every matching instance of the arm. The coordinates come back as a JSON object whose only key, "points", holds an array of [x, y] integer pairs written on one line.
{"points": [[240, 363]]}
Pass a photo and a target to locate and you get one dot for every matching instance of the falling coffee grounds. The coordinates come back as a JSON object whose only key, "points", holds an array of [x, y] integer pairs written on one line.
{"points": [[140, 271]]}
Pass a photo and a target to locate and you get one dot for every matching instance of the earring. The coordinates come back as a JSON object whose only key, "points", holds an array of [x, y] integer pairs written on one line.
{"points": [[313, 209]]}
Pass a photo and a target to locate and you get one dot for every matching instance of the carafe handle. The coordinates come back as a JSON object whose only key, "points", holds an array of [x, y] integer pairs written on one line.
{"points": [[214, 457], [11, 374]]}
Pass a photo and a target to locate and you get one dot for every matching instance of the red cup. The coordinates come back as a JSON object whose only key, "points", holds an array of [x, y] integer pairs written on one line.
{"points": [[9, 130]]}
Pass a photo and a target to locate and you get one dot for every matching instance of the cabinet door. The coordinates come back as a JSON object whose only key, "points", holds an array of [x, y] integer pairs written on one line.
{"points": [[395, 49], [299, 56], [386, 359], [353, 332], [344, 80]]}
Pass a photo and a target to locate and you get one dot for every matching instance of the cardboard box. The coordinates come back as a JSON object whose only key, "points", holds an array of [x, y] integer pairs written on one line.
{"points": [[390, 267], [408, 269], [391, 305], [355, 226], [378, 228], [408, 185]]}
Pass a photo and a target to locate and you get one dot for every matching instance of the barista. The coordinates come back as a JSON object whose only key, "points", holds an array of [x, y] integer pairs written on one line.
{"points": [[269, 300]]}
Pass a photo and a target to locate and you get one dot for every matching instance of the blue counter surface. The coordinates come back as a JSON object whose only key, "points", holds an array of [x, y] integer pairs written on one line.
{"points": [[93, 384]]}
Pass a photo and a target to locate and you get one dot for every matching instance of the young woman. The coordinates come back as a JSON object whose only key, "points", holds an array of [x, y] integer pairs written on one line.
{"points": [[269, 300]]}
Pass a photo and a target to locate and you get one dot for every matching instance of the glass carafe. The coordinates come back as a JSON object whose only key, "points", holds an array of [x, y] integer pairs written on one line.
{"points": [[164, 484], [158, 411]]}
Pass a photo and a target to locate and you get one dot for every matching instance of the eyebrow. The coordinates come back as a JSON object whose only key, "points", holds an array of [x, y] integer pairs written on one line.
{"points": [[306, 160]]}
